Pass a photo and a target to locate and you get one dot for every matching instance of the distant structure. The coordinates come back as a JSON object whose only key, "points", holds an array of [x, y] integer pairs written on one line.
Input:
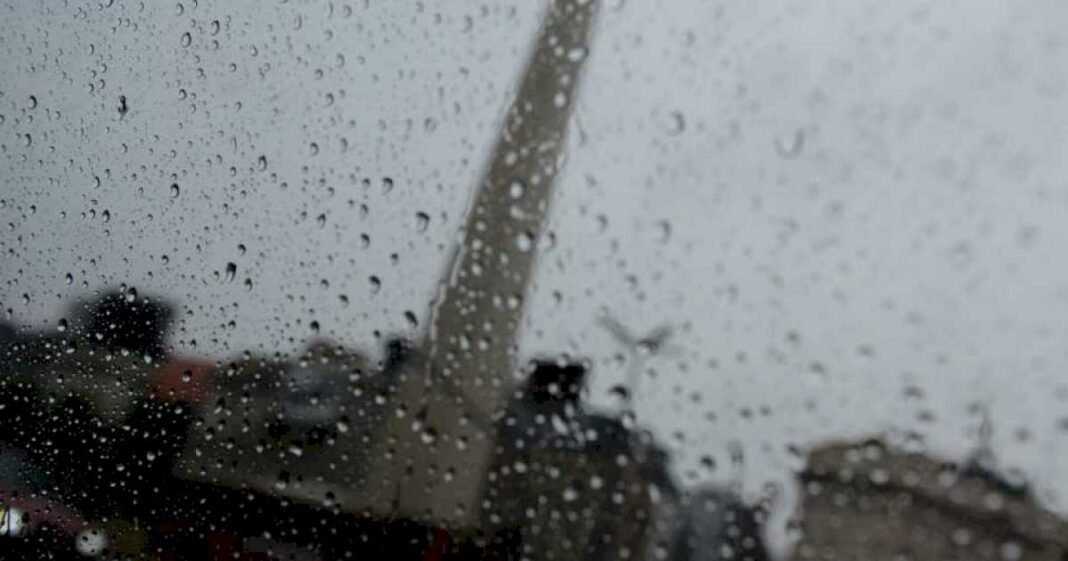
{"points": [[430, 461], [712, 524], [868, 501], [566, 483]]}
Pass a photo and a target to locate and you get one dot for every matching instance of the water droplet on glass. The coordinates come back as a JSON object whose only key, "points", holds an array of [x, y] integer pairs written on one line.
{"points": [[231, 271], [422, 221], [175, 191], [676, 123], [516, 189], [376, 284], [524, 241], [68, 279], [791, 146], [665, 231], [187, 39]]}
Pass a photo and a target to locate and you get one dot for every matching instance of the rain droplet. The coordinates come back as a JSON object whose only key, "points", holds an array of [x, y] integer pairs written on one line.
{"points": [[665, 231], [791, 147], [422, 221], [187, 39], [68, 279], [516, 189], [175, 191], [524, 241], [409, 316], [231, 271], [676, 123], [620, 392], [376, 284], [577, 53], [321, 220]]}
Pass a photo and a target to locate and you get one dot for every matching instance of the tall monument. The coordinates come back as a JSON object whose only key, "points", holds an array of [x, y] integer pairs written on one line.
{"points": [[436, 449]]}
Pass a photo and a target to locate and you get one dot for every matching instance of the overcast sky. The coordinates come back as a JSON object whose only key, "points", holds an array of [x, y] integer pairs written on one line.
{"points": [[853, 210]]}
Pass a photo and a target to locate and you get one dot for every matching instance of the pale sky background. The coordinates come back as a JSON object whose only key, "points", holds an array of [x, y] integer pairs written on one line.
{"points": [[841, 200]]}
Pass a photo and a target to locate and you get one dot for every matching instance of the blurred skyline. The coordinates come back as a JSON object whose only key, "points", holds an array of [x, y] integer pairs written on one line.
{"points": [[851, 210]]}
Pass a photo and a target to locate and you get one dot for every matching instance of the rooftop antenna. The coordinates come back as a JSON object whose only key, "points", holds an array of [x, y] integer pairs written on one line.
{"points": [[984, 452]]}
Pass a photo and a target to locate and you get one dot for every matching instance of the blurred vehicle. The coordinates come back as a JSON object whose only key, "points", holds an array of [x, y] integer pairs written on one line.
{"points": [[34, 522]]}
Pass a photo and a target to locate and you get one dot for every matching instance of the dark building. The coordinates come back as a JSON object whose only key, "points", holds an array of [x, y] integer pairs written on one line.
{"points": [[566, 483]]}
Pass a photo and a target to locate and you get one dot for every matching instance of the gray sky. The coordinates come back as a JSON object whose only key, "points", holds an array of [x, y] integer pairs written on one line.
{"points": [[841, 200]]}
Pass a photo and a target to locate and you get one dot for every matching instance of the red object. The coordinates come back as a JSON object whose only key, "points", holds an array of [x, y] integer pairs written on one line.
{"points": [[44, 511], [183, 380], [439, 545]]}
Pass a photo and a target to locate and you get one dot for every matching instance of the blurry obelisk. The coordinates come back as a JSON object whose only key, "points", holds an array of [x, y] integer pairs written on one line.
{"points": [[430, 462]]}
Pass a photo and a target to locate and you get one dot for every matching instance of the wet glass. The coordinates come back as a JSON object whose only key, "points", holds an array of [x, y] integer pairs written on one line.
{"points": [[570, 279]]}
